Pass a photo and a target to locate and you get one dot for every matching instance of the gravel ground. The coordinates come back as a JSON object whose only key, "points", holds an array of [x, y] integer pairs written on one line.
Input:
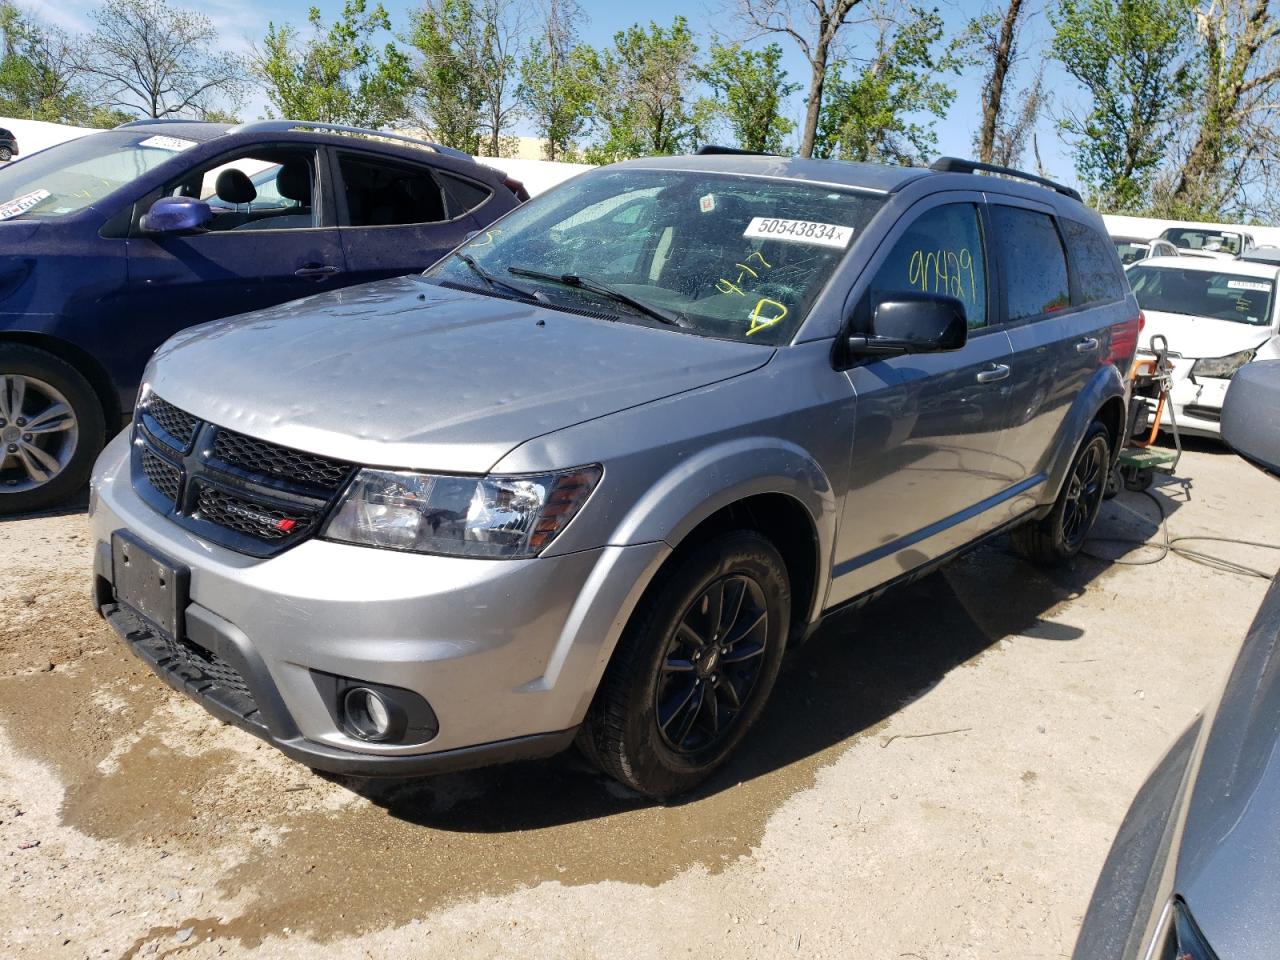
{"points": [[937, 776]]}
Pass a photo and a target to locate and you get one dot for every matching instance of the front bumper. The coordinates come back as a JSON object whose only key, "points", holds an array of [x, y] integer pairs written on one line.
{"points": [[506, 653], [1196, 404]]}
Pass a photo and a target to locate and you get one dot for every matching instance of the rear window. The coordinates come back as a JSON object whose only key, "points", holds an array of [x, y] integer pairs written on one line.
{"points": [[1203, 293], [1034, 262], [1209, 241], [1130, 251], [1097, 268]]}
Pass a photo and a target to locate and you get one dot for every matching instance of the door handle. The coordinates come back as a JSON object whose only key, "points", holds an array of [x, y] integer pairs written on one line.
{"points": [[1087, 345], [316, 270], [993, 373]]}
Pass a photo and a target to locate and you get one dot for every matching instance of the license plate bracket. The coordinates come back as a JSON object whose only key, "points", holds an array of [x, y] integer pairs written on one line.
{"points": [[149, 583]]}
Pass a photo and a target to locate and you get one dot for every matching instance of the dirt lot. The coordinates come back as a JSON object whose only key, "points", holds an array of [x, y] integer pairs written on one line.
{"points": [[938, 776]]}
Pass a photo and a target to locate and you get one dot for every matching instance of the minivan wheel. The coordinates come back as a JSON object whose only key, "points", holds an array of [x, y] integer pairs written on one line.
{"points": [[1061, 534], [51, 428], [693, 668]]}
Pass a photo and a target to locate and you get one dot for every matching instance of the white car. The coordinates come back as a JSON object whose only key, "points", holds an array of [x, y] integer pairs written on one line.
{"points": [[1216, 316], [1208, 242], [1132, 249]]}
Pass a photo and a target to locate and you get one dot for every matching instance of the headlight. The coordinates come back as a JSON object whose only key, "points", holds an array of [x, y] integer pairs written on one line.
{"points": [[1222, 368], [497, 517]]}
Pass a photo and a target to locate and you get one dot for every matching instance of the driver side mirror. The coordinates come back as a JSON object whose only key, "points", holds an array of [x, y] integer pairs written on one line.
{"points": [[913, 323], [177, 215], [1249, 423]]}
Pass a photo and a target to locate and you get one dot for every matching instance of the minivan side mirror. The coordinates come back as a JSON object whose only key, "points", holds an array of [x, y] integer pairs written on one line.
{"points": [[176, 215], [913, 323], [1249, 423]]}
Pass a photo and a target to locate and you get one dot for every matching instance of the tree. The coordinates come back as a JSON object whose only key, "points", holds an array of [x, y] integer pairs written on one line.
{"points": [[504, 26], [148, 57], [1134, 60], [878, 113], [449, 92], [749, 88], [643, 97], [815, 26], [993, 39], [1233, 161], [557, 80], [337, 74]]}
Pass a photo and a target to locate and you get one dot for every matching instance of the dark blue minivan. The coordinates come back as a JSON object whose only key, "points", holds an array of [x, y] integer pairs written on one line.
{"points": [[112, 242]]}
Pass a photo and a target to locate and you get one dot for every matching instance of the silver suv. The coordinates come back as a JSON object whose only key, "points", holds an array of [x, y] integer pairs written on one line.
{"points": [[588, 476]]}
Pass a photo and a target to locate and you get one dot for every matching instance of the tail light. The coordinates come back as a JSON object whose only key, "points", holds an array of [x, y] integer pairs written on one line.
{"points": [[1142, 321], [516, 187]]}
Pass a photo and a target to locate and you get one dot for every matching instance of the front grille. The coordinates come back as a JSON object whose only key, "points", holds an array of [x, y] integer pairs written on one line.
{"points": [[161, 474], [258, 456], [177, 423], [252, 518], [255, 497]]}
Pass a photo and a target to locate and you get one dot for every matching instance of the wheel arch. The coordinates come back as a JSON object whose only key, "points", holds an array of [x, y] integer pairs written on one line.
{"points": [[83, 362], [1102, 399]]}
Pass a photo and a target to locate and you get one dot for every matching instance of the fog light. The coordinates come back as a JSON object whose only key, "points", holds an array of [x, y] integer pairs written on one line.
{"points": [[367, 714]]}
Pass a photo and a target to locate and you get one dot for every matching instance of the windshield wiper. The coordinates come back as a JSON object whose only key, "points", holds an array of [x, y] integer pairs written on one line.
{"points": [[493, 282], [604, 290]]}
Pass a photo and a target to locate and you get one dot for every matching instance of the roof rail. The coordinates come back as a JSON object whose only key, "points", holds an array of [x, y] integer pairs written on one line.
{"points": [[956, 165], [713, 150], [152, 121], [284, 126]]}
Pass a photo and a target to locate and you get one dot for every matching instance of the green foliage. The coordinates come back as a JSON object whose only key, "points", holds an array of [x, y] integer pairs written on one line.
{"points": [[643, 95], [1133, 58], [557, 82], [337, 74], [450, 37], [885, 110], [749, 89]]}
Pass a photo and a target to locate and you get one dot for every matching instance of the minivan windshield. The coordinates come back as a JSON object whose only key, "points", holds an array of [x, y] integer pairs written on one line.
{"points": [[721, 255], [1210, 241], [1204, 293], [70, 176]]}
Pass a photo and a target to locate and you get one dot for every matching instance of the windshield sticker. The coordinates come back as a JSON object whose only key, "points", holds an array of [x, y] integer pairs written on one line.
{"points": [[707, 203], [799, 231], [176, 144], [1248, 285], [766, 314], [20, 205]]}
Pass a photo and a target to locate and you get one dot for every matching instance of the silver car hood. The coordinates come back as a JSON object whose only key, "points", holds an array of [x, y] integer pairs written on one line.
{"points": [[1228, 867], [405, 373]]}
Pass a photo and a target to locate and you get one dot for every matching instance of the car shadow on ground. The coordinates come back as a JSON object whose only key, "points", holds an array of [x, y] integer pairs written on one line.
{"points": [[73, 505], [855, 673]]}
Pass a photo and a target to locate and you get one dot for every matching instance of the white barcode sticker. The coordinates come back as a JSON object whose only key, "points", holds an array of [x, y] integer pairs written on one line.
{"points": [[799, 231], [1248, 285], [168, 143], [20, 205]]}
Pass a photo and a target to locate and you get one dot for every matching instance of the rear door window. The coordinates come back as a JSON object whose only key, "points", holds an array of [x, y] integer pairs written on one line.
{"points": [[942, 251], [1097, 267], [383, 194], [466, 195], [1033, 261]]}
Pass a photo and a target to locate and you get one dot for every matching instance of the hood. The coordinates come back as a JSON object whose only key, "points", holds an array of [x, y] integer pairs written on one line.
{"points": [[1197, 337], [1229, 862], [405, 373]]}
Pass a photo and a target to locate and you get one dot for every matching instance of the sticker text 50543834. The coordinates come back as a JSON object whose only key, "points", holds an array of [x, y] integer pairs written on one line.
{"points": [[799, 231]]}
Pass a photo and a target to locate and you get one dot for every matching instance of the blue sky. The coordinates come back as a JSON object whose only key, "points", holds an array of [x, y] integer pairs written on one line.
{"points": [[242, 22]]}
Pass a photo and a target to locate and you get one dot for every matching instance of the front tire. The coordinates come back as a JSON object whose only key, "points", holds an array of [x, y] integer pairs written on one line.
{"points": [[693, 669], [51, 429], [5, 154], [1059, 536]]}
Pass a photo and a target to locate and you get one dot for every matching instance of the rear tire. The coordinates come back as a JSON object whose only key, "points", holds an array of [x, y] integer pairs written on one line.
{"points": [[1059, 536], [686, 683], [53, 428], [5, 154]]}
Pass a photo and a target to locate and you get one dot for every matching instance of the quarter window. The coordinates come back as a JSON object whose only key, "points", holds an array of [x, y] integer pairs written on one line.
{"points": [[1035, 266], [941, 252], [387, 194], [1096, 264]]}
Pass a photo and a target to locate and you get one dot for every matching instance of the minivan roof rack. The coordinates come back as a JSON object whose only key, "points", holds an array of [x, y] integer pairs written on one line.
{"points": [[152, 121], [711, 150], [284, 126], [956, 165]]}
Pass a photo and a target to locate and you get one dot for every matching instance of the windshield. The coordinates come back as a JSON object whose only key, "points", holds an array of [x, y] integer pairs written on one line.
{"points": [[1204, 293], [725, 256], [1131, 251], [1210, 241], [68, 177]]}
